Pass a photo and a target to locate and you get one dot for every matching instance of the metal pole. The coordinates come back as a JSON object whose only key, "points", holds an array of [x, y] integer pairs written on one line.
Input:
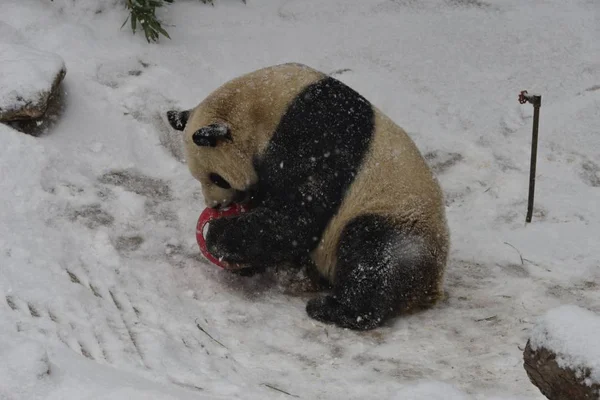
{"points": [[536, 101]]}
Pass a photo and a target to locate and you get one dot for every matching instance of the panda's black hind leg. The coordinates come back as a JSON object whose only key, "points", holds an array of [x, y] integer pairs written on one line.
{"points": [[327, 309], [379, 269]]}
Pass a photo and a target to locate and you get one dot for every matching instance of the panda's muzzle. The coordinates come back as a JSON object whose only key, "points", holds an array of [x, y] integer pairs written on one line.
{"points": [[243, 197]]}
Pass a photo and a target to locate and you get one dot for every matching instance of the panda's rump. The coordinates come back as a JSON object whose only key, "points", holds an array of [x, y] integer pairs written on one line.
{"points": [[395, 183]]}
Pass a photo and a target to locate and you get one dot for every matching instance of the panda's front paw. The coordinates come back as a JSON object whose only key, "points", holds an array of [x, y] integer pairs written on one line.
{"points": [[223, 243], [235, 240]]}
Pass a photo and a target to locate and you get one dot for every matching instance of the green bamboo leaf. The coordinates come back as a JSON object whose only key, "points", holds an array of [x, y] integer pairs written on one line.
{"points": [[143, 16], [161, 30]]}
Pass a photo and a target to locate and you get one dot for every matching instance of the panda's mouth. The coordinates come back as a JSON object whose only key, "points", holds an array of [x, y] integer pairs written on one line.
{"points": [[246, 198]]}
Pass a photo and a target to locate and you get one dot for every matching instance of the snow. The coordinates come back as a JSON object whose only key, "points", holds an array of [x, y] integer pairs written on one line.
{"points": [[571, 333], [100, 275], [26, 75]]}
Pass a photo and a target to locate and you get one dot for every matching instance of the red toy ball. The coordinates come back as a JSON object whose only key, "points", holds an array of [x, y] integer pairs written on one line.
{"points": [[205, 217]]}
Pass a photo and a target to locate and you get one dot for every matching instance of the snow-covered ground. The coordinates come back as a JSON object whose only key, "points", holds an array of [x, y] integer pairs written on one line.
{"points": [[103, 293]]}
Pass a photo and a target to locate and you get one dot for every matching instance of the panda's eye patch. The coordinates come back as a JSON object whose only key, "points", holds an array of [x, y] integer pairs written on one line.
{"points": [[219, 181]]}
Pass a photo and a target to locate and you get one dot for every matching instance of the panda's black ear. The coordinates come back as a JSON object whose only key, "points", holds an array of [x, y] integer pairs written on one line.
{"points": [[178, 119], [211, 135]]}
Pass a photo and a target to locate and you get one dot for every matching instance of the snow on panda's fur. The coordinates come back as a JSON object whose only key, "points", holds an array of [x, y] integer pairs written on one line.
{"points": [[332, 181]]}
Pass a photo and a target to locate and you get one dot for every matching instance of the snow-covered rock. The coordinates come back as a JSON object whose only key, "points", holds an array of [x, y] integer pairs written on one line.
{"points": [[562, 356], [28, 79]]}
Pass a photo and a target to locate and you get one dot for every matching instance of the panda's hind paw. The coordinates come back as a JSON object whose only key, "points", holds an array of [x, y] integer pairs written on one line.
{"points": [[328, 310], [321, 308]]}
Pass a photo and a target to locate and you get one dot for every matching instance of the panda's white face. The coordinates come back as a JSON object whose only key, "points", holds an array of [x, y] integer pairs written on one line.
{"points": [[222, 166], [217, 192], [218, 189]]}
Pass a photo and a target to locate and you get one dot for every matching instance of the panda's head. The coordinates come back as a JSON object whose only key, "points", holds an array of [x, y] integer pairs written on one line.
{"points": [[216, 156], [232, 127]]}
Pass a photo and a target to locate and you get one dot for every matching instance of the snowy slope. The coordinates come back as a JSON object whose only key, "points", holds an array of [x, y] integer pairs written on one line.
{"points": [[103, 293]]}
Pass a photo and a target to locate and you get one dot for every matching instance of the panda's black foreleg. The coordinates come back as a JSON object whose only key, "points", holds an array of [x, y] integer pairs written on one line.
{"points": [[378, 269], [256, 238]]}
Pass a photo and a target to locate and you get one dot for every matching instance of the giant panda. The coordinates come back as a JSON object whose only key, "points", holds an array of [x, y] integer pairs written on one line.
{"points": [[329, 179]]}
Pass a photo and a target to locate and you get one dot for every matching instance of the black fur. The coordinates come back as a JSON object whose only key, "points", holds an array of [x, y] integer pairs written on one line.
{"points": [[310, 162], [211, 135], [379, 270], [178, 119]]}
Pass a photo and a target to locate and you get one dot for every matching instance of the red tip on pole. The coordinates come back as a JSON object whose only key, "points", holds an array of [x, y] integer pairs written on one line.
{"points": [[523, 97]]}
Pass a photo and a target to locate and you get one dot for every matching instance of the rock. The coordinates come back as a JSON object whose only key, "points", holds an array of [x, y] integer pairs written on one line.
{"points": [[562, 356], [556, 382], [29, 86]]}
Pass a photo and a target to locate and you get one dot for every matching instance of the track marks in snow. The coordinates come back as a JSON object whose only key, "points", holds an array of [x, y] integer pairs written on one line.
{"points": [[112, 326], [105, 329], [84, 351], [33, 311], [120, 72], [128, 243], [123, 203], [52, 316], [49, 325], [91, 216], [95, 291], [28, 308], [593, 88], [11, 303], [93, 288], [469, 3], [128, 321], [441, 161], [590, 173], [134, 181], [158, 208], [115, 301], [73, 277]]}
